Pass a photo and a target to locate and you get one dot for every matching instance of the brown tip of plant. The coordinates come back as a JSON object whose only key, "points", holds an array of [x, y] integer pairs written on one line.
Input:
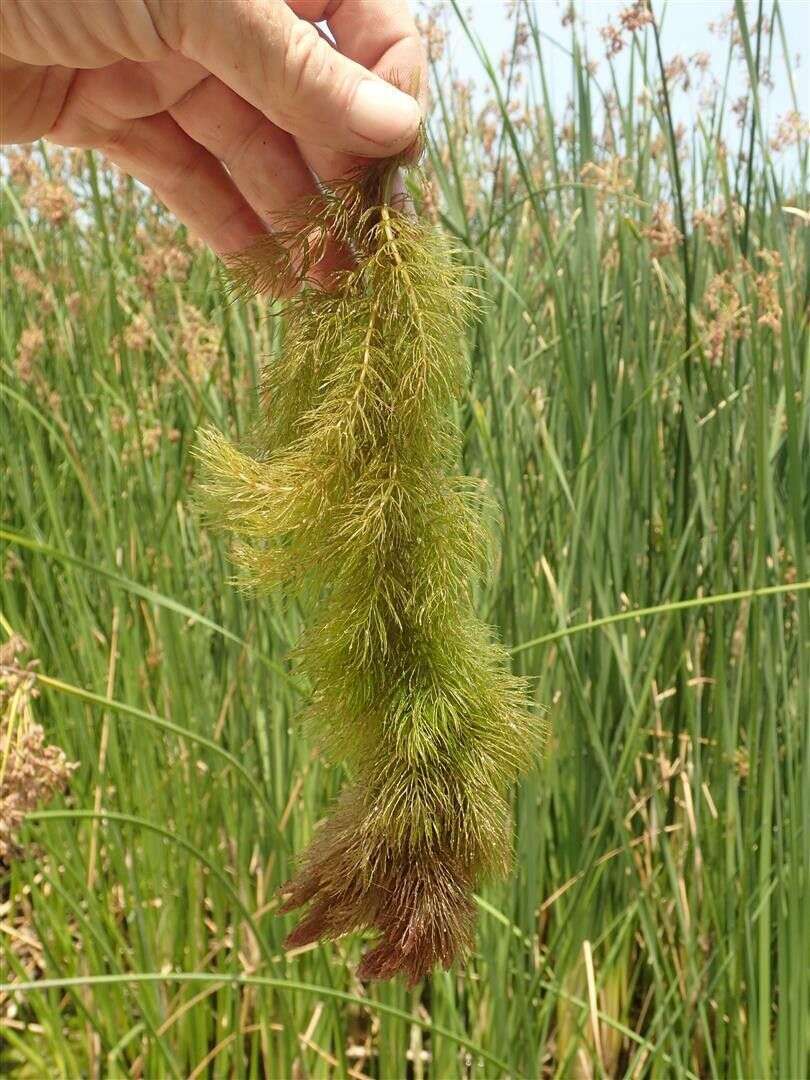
{"points": [[418, 901]]}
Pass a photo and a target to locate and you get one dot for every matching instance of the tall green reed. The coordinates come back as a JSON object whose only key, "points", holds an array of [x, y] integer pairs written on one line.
{"points": [[654, 924]]}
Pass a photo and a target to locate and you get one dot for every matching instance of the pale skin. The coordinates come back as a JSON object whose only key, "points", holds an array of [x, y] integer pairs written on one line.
{"points": [[225, 108]]}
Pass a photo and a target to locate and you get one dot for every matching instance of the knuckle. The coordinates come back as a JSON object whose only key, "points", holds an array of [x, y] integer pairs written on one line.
{"points": [[115, 140], [243, 143], [306, 59], [166, 21], [174, 181]]}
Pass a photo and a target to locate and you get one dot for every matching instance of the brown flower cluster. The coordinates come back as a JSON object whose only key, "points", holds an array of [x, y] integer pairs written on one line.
{"points": [[432, 34], [160, 261], [727, 318], [632, 19], [739, 108], [23, 168], [677, 72], [29, 350], [200, 340], [138, 333], [612, 37], [28, 281], [636, 16], [662, 234], [150, 442], [766, 290], [792, 130], [719, 224], [431, 201], [723, 26], [52, 200], [728, 27], [610, 176], [155, 435], [31, 772], [726, 315]]}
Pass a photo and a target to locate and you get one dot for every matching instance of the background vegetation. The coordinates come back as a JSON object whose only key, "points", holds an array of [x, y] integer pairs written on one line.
{"points": [[638, 399]]}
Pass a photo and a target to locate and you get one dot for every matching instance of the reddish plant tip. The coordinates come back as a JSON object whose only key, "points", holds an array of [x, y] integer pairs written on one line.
{"points": [[418, 904]]}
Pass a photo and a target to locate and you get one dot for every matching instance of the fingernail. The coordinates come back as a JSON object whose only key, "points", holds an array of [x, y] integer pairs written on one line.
{"points": [[382, 114]]}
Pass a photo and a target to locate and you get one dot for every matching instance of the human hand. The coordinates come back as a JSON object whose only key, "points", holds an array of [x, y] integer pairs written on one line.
{"points": [[223, 107]]}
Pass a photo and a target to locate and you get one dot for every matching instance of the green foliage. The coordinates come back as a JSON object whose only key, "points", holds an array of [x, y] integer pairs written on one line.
{"points": [[655, 921], [349, 497]]}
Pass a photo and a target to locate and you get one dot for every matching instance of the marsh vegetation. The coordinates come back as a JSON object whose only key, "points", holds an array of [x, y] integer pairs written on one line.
{"points": [[638, 404]]}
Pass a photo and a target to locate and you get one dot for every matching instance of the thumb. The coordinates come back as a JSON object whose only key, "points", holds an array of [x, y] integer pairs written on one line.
{"points": [[284, 67]]}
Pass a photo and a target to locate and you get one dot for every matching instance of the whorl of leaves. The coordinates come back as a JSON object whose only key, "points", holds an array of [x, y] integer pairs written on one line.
{"points": [[351, 499]]}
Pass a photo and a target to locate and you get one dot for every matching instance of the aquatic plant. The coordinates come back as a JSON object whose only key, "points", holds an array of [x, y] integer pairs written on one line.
{"points": [[351, 499]]}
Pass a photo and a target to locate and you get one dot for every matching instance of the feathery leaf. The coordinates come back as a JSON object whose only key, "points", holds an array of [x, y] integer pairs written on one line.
{"points": [[352, 499]]}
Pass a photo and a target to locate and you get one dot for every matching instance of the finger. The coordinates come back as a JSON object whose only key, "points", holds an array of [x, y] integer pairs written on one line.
{"points": [[284, 68], [30, 99], [383, 37], [263, 161], [183, 175], [189, 180], [129, 88]]}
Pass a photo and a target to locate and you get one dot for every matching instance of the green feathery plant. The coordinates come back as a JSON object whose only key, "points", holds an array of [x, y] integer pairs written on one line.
{"points": [[351, 500]]}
